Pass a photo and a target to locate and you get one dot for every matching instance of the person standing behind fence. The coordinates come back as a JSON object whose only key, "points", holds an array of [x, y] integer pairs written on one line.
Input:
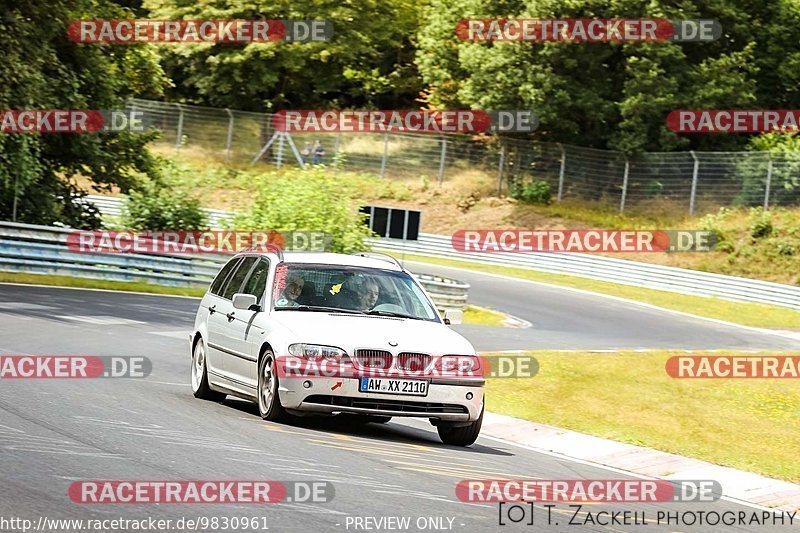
{"points": [[305, 153], [319, 151]]}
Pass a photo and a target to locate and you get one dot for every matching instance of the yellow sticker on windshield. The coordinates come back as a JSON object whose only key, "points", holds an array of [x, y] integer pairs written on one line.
{"points": [[336, 288]]}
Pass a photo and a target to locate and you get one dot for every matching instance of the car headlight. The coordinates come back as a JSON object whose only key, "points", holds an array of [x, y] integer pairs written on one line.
{"points": [[459, 364], [316, 352]]}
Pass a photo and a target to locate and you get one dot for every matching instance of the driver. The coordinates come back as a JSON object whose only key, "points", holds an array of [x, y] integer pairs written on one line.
{"points": [[367, 295]]}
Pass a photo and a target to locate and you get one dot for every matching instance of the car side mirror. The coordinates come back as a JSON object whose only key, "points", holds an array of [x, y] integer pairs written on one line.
{"points": [[453, 316], [245, 302]]}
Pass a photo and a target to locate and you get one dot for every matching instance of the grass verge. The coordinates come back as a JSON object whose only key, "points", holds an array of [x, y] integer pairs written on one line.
{"points": [[747, 314], [88, 283], [483, 317], [749, 424]]}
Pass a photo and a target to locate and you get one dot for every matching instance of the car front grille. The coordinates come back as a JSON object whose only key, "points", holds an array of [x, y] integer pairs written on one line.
{"points": [[387, 405], [413, 362], [373, 359]]}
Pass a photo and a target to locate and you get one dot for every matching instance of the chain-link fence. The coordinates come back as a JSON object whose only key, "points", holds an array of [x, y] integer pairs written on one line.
{"points": [[695, 182]]}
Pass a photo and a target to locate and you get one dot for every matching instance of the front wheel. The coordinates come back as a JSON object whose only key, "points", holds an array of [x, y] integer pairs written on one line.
{"points": [[269, 404], [200, 387], [460, 436]]}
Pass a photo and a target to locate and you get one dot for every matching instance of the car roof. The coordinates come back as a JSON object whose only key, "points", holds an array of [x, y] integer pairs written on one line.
{"points": [[326, 258]]}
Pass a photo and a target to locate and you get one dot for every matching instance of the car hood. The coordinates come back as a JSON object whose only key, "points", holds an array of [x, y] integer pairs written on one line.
{"points": [[350, 332]]}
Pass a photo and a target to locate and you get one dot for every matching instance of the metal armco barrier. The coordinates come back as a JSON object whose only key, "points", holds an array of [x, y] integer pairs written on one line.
{"points": [[43, 250], [620, 271]]}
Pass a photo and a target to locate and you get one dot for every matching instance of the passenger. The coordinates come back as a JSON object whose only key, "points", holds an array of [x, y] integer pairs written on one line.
{"points": [[292, 290]]}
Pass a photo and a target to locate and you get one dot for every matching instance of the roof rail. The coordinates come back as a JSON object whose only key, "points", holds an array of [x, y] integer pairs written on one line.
{"points": [[382, 256], [268, 247]]}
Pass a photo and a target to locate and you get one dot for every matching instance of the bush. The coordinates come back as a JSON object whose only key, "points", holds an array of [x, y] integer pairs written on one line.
{"points": [[159, 207], [760, 223], [299, 200], [535, 192]]}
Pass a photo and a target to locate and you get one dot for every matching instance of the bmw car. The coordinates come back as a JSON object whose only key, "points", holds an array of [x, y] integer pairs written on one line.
{"points": [[328, 334]]}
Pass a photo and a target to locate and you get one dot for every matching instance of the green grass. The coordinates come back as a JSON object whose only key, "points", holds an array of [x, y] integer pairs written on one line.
{"points": [[483, 317], [749, 424], [747, 314], [88, 283]]}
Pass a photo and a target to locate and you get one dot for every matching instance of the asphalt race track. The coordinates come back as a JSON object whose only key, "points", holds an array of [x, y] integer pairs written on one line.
{"points": [[55, 432]]}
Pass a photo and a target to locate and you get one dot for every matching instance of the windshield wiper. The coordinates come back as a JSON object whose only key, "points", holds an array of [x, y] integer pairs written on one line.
{"points": [[323, 309], [391, 313]]}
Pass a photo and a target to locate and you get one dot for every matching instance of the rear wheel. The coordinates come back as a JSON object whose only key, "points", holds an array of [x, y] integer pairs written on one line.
{"points": [[200, 387], [460, 436], [269, 404]]}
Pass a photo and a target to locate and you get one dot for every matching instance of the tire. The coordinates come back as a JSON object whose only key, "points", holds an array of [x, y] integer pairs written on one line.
{"points": [[460, 436], [269, 403], [200, 387]]}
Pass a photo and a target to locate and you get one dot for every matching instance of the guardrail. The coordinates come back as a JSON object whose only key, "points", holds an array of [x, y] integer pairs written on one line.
{"points": [[43, 250], [621, 271]]}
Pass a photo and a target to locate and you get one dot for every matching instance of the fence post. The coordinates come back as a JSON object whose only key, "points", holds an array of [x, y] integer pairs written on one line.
{"points": [[442, 158], [385, 154], [336, 152], [624, 186], [561, 171], [769, 182], [694, 182], [180, 128], [500, 170], [279, 162], [230, 135]]}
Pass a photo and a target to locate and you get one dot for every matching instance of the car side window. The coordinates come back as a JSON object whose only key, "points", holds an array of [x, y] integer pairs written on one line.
{"points": [[222, 276], [257, 282], [238, 276]]}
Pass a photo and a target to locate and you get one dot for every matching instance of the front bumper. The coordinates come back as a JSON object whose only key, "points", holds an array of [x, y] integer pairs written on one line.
{"points": [[446, 399]]}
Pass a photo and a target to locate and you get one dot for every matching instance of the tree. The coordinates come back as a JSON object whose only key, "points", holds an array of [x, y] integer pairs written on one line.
{"points": [[616, 95], [43, 69], [368, 63]]}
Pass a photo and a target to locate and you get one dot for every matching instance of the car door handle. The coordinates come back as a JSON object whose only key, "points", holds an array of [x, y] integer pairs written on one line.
{"points": [[212, 309], [230, 316]]}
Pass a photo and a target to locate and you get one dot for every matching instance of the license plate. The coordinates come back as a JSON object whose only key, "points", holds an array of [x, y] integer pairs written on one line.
{"points": [[407, 387]]}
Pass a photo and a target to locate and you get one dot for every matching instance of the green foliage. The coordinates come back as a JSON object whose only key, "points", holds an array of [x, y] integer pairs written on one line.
{"points": [[785, 182], [535, 192], [155, 206], [616, 95], [43, 69], [760, 223], [310, 200], [368, 62]]}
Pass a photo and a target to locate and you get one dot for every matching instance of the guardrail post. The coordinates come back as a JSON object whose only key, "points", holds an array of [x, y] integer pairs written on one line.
{"points": [[179, 137], [694, 182], [561, 171], [385, 154], [500, 170], [442, 159], [624, 186], [230, 135], [769, 182]]}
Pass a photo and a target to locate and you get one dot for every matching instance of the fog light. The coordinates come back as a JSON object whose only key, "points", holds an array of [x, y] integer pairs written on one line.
{"points": [[307, 384], [469, 396]]}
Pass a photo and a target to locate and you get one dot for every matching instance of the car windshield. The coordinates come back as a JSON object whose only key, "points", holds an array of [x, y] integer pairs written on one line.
{"points": [[349, 289]]}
